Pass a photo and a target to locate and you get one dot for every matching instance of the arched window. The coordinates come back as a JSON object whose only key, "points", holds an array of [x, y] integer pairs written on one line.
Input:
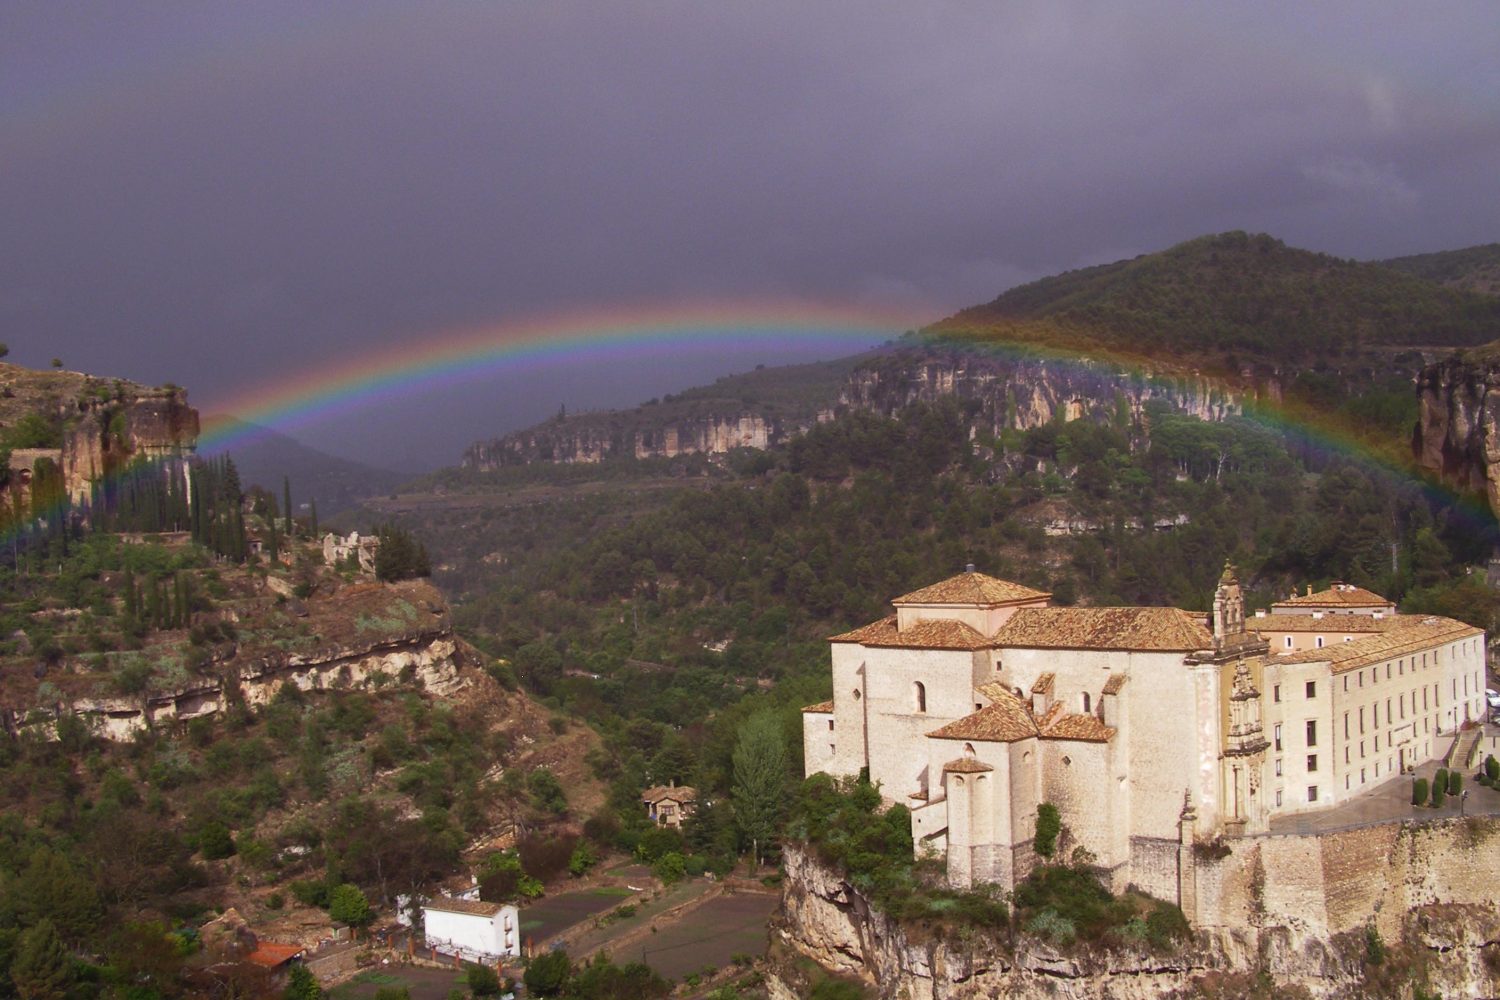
{"points": [[919, 696], [1085, 703]]}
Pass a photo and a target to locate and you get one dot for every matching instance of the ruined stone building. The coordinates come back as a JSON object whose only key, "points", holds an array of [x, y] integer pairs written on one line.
{"points": [[1149, 728]]}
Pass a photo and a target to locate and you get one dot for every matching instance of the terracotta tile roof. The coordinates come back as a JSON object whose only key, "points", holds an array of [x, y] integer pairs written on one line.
{"points": [[676, 793], [1340, 595], [972, 588], [1086, 728], [1114, 683], [1043, 684], [476, 907], [994, 690], [1327, 623], [1145, 629], [935, 634], [270, 954], [1005, 721], [822, 706], [967, 765], [1416, 634]]}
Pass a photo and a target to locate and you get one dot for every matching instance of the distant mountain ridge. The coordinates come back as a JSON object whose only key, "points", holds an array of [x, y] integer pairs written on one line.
{"points": [[1214, 320], [1473, 269], [265, 456]]}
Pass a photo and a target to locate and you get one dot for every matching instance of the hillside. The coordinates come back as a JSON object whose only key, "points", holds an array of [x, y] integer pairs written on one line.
{"points": [[1473, 269], [264, 456], [1231, 298], [753, 409]]}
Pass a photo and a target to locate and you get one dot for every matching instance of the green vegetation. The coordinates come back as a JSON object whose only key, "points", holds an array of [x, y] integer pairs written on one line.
{"points": [[1475, 269], [1230, 296], [1048, 826], [1419, 792]]}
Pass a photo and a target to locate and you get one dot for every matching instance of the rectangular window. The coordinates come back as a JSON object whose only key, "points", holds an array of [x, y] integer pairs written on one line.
{"points": [[1312, 689], [1346, 725], [1278, 736], [1319, 641], [1361, 720], [1361, 678], [1375, 715], [1361, 749], [1377, 768], [1377, 743], [1312, 793], [1346, 755], [1346, 683], [1278, 796], [830, 725], [1276, 692], [1312, 762], [1361, 776], [1278, 767], [1389, 718], [1387, 671], [1312, 732]]}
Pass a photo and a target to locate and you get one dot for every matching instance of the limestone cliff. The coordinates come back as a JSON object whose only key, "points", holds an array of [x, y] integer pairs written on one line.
{"points": [[360, 637], [596, 437], [1448, 939], [102, 436], [1457, 437]]}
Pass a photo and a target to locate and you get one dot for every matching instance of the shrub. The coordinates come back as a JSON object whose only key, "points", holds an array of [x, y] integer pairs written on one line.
{"points": [[1455, 782], [1048, 826], [1374, 946], [544, 857], [1440, 784], [1419, 792], [347, 905], [1491, 767], [582, 860], [671, 868], [482, 981], [547, 973], [214, 841]]}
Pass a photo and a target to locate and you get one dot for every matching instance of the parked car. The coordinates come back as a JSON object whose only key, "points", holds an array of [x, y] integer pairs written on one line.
{"points": [[1493, 697]]}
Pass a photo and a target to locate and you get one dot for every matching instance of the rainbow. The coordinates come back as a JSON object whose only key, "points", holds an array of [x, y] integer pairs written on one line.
{"points": [[449, 357]]}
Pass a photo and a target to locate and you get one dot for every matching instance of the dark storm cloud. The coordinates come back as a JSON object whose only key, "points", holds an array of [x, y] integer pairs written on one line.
{"points": [[213, 195]]}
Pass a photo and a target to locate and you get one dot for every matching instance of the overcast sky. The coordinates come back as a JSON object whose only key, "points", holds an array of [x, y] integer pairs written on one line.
{"points": [[216, 194]]}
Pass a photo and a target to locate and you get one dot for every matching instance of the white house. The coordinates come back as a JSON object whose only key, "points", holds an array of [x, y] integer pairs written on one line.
{"points": [[471, 929]]}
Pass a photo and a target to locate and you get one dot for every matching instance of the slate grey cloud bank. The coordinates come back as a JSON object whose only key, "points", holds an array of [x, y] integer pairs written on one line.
{"points": [[220, 193]]}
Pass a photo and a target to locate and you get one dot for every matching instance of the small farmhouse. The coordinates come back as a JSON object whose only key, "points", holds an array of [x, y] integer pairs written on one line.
{"points": [[669, 805], [471, 929]]}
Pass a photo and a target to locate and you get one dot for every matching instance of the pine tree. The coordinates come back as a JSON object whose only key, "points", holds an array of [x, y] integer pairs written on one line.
{"points": [[41, 969], [760, 775]]}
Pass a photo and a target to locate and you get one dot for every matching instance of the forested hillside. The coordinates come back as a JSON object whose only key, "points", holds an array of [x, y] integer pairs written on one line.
{"points": [[1474, 269], [1233, 298]]}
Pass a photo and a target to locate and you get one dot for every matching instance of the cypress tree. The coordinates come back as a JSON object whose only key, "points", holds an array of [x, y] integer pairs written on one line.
{"points": [[41, 969], [132, 607], [313, 503], [286, 502], [153, 603]]}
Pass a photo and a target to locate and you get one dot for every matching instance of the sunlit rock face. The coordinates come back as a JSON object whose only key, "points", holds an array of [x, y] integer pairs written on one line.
{"points": [[106, 435], [1458, 432]]}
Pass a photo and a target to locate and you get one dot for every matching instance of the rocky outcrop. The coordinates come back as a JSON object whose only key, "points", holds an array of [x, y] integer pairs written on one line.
{"points": [[1451, 945], [594, 438], [1020, 392], [1457, 437], [104, 435]]}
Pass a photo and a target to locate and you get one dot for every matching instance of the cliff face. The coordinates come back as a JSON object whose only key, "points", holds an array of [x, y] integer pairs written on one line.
{"points": [[592, 440], [1448, 939], [1022, 393], [103, 436], [1457, 436]]}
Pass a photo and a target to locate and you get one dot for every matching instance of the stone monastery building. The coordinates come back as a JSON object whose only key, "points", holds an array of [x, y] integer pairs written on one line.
{"points": [[1149, 729]]}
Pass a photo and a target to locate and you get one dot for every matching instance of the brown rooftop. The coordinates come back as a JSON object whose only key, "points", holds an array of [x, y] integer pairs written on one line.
{"points": [[1005, 721], [1340, 595], [932, 634], [272, 954], [1144, 629], [1043, 683], [822, 706], [1114, 683], [476, 907], [1417, 634], [676, 793], [1325, 623], [972, 588], [967, 765], [1086, 728]]}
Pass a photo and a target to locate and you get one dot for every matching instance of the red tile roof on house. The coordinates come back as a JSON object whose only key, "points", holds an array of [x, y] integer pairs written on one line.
{"points": [[1086, 728], [1005, 721], [473, 907], [1140, 629], [1340, 595], [930, 634], [272, 955], [973, 589], [1416, 634], [967, 765], [822, 706]]}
